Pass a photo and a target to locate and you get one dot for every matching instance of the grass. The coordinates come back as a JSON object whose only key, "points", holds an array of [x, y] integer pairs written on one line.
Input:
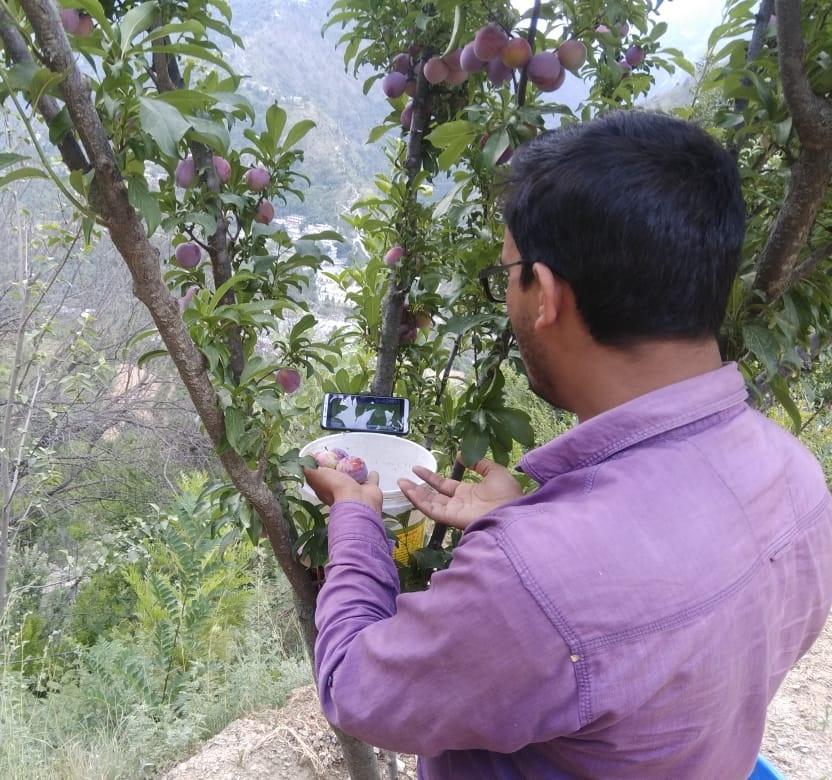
{"points": [[96, 724]]}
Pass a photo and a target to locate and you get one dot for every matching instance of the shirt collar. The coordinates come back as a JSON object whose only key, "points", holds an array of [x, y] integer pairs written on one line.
{"points": [[644, 417]]}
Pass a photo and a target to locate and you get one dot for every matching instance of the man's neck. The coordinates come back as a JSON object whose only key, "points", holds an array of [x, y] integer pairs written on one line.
{"points": [[617, 376]]}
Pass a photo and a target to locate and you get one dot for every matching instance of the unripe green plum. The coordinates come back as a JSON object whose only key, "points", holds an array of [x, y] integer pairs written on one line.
{"points": [[544, 70], [394, 84], [516, 53], [257, 179], [435, 70], [572, 54], [469, 61], [223, 169], [354, 467], [265, 213], [288, 379], [185, 173], [188, 255], [489, 42]]}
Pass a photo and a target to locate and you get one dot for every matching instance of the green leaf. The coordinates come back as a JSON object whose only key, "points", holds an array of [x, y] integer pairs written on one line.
{"points": [[209, 132], [780, 388], [275, 122], [187, 100], [449, 132], [378, 131], [518, 424], [10, 158], [326, 235], [763, 345], [238, 278], [22, 173], [136, 20], [164, 123], [474, 444], [151, 355], [297, 132], [235, 426], [145, 202], [495, 147], [140, 336]]}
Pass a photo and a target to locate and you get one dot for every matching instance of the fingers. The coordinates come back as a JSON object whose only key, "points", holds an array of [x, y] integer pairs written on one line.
{"points": [[372, 478], [429, 503], [484, 466], [444, 485]]}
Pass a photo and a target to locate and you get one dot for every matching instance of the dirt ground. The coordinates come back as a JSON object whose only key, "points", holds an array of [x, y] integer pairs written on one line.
{"points": [[295, 743]]}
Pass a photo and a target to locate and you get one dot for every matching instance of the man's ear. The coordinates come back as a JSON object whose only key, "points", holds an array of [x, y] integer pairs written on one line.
{"points": [[549, 296]]}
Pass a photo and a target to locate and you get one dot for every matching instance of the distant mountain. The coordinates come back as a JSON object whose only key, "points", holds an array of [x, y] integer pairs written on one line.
{"points": [[286, 59]]}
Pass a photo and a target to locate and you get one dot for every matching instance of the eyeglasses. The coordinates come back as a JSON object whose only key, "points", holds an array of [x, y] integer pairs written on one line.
{"points": [[494, 281]]}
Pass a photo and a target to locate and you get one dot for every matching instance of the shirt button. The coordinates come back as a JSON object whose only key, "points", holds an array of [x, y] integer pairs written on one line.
{"points": [[574, 658]]}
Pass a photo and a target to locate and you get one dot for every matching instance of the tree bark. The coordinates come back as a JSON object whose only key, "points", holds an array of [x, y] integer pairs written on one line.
{"points": [[391, 319], [810, 174]]}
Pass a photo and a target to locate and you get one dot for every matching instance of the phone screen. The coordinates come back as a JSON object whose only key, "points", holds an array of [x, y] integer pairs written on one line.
{"points": [[378, 414]]}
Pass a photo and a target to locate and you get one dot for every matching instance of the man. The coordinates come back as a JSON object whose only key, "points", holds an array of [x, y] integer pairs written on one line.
{"points": [[633, 616]]}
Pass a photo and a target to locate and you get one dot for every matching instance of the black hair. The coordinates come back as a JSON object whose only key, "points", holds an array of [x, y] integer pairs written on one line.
{"points": [[642, 214]]}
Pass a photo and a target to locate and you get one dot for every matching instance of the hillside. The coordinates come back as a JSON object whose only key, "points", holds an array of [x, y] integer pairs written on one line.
{"points": [[286, 59]]}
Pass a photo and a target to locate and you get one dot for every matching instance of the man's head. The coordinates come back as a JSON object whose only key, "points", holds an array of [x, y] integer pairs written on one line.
{"points": [[630, 229]]}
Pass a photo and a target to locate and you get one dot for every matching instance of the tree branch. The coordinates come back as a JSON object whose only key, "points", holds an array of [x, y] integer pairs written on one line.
{"points": [[524, 76], [810, 174], [812, 114], [15, 45], [142, 259], [391, 318]]}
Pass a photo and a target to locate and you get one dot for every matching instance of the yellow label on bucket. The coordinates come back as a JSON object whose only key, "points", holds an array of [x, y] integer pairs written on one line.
{"points": [[408, 540]]}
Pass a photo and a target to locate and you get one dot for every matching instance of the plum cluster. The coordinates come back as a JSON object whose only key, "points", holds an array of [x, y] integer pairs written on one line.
{"points": [[342, 461], [188, 254]]}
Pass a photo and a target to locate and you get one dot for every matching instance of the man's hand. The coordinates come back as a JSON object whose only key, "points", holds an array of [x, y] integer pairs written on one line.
{"points": [[331, 486], [458, 504]]}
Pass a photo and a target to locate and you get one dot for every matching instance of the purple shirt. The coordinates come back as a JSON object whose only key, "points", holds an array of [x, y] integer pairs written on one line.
{"points": [[631, 618]]}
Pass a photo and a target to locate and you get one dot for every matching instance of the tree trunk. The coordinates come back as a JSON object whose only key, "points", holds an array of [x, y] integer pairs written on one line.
{"points": [[391, 318], [359, 757]]}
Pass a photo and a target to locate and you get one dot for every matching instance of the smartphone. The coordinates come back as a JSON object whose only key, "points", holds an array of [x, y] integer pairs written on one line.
{"points": [[368, 413]]}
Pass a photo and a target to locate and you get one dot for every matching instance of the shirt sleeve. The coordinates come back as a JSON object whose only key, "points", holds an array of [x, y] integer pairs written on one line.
{"points": [[471, 663]]}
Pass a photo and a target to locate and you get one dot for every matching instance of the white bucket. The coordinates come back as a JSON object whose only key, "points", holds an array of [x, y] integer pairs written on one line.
{"points": [[391, 456]]}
